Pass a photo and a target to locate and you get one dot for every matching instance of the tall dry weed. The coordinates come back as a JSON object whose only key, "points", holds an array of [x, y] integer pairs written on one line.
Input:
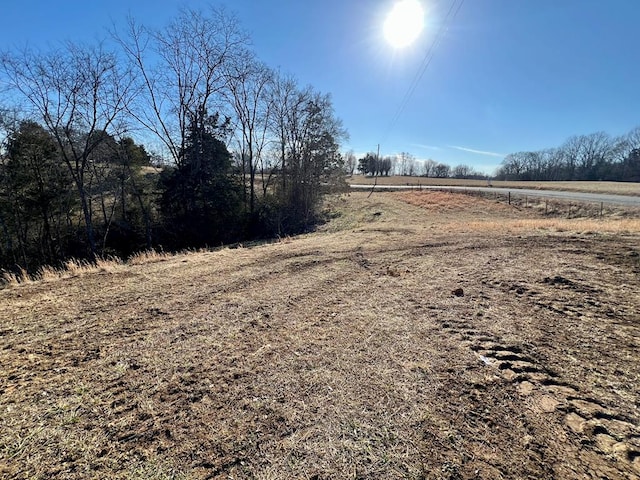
{"points": [[13, 279], [71, 268], [148, 256]]}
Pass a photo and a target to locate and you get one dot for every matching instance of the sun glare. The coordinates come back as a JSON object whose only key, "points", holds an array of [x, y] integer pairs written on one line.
{"points": [[404, 23]]}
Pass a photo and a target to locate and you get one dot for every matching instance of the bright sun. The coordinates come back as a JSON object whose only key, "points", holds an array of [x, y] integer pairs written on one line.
{"points": [[404, 23]]}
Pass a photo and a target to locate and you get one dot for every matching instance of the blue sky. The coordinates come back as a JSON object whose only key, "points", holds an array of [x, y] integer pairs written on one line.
{"points": [[508, 75]]}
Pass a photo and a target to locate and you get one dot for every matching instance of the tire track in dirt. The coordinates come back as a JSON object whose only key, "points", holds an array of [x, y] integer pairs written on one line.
{"points": [[603, 437], [610, 434], [258, 320]]}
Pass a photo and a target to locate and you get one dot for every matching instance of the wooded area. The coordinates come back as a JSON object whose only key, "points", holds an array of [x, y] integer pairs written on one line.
{"points": [[174, 138], [593, 157]]}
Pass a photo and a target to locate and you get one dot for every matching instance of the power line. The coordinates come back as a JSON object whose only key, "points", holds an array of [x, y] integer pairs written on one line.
{"points": [[444, 28]]}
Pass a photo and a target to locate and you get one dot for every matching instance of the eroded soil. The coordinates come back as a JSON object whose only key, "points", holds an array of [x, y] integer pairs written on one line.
{"points": [[450, 338]]}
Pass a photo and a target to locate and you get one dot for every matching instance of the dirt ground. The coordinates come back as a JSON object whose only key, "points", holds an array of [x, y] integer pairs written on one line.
{"points": [[415, 336]]}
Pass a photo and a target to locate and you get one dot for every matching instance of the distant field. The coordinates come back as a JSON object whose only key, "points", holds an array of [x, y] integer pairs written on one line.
{"points": [[620, 188], [415, 335]]}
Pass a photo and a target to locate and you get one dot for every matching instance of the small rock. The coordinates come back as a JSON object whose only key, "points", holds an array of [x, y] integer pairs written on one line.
{"points": [[392, 272], [458, 292]]}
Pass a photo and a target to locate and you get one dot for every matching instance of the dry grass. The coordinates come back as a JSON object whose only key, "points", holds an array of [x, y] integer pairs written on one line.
{"points": [[582, 226], [341, 354], [13, 279], [78, 268], [71, 268], [537, 215], [148, 256]]}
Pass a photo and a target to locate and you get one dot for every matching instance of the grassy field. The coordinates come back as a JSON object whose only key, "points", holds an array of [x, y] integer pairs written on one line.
{"points": [[619, 188], [416, 335]]}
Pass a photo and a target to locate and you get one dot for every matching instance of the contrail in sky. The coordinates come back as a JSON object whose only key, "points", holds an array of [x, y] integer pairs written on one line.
{"points": [[427, 147], [479, 152]]}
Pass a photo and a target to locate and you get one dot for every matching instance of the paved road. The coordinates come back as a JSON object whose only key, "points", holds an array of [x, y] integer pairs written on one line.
{"points": [[606, 198]]}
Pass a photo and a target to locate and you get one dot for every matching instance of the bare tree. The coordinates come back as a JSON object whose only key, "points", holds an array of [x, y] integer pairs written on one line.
{"points": [[411, 165], [386, 164], [428, 167], [284, 99], [78, 94], [308, 135], [625, 144], [189, 76], [442, 170], [627, 154], [585, 154], [462, 171], [350, 163], [248, 83], [594, 150], [551, 164], [512, 166], [407, 164], [402, 160]]}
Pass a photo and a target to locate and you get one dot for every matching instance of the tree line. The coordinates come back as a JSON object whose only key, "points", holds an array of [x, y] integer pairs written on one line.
{"points": [[594, 157], [178, 137], [597, 156], [406, 164]]}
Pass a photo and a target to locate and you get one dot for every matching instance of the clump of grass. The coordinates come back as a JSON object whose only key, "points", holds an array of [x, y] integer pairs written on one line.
{"points": [[71, 268], [77, 268], [106, 264], [148, 256], [13, 279]]}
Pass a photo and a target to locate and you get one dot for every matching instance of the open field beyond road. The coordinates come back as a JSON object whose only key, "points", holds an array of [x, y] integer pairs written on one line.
{"points": [[569, 197], [614, 188], [418, 335]]}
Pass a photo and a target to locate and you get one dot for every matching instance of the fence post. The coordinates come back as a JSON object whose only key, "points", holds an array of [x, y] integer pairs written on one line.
{"points": [[509, 197], [601, 207]]}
